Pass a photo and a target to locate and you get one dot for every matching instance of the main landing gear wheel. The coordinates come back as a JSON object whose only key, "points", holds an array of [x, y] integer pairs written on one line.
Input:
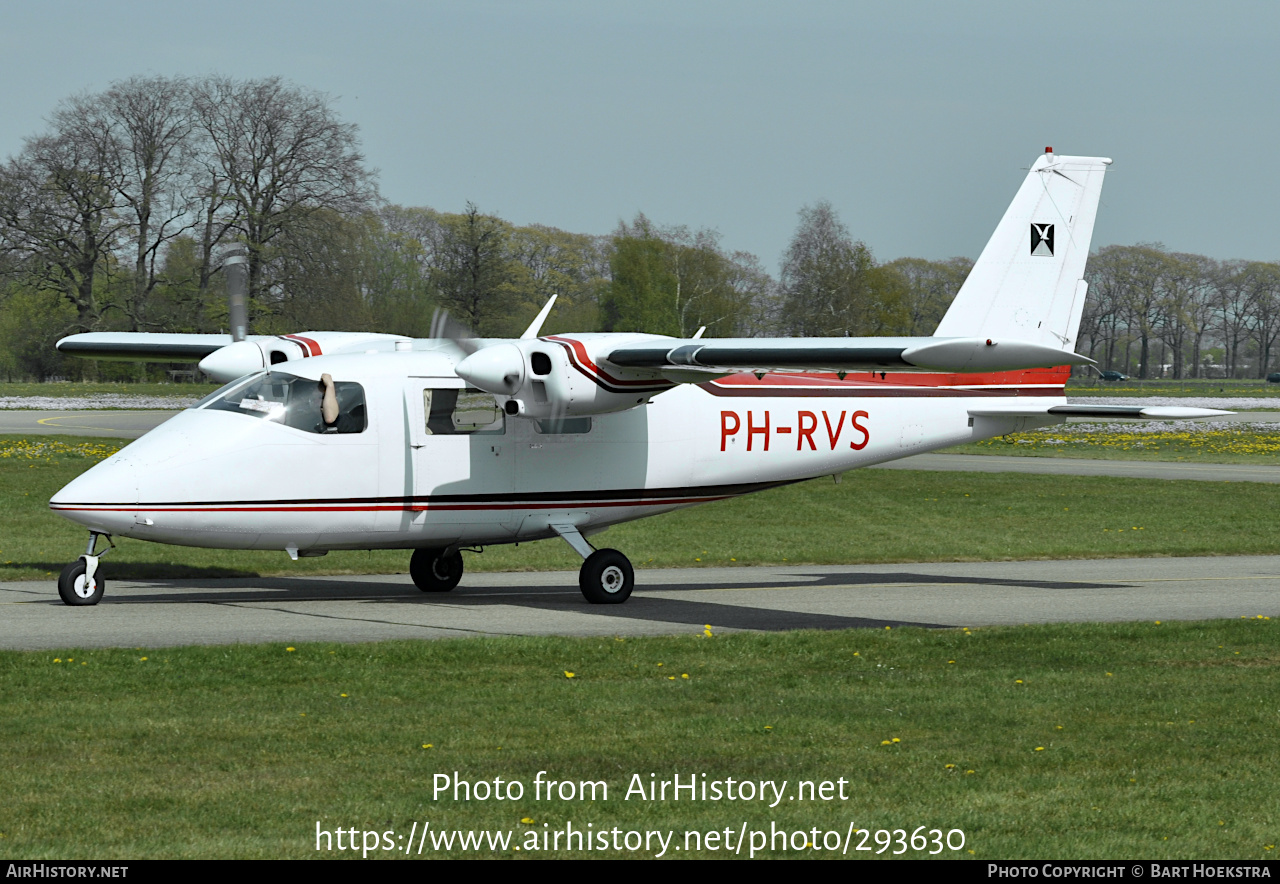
{"points": [[606, 577], [435, 570], [77, 588]]}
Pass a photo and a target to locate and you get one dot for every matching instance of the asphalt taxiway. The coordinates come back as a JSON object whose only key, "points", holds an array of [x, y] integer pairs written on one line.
{"points": [[159, 613]]}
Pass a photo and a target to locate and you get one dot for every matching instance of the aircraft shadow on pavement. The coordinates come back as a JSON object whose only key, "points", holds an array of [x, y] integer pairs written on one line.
{"points": [[692, 611]]}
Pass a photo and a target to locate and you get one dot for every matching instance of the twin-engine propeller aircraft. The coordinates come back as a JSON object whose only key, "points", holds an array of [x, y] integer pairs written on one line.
{"points": [[330, 440]]}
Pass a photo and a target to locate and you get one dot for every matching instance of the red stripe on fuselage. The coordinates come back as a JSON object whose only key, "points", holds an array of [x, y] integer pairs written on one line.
{"points": [[906, 385], [407, 506]]}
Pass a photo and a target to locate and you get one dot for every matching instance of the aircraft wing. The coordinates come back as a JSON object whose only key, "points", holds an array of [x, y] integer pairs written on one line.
{"points": [[730, 355], [1139, 412], [142, 346]]}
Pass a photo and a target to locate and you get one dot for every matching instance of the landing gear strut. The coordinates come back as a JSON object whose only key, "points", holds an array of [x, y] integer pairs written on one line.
{"points": [[435, 570], [606, 576], [81, 582]]}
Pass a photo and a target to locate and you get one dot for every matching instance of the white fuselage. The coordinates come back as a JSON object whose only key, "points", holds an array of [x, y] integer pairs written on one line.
{"points": [[217, 478]]}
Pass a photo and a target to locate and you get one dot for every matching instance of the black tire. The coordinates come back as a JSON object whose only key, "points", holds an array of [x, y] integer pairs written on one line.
{"points": [[606, 577], [433, 571], [72, 587]]}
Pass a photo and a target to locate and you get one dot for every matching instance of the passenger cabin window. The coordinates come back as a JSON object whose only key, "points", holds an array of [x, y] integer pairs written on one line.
{"points": [[454, 412], [564, 426], [296, 402]]}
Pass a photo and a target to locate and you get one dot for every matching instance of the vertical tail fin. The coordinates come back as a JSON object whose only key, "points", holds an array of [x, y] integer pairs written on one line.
{"points": [[1028, 284]]}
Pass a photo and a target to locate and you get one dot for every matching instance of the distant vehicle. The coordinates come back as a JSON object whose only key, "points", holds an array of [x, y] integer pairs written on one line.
{"points": [[1274, 377], [1114, 376]]}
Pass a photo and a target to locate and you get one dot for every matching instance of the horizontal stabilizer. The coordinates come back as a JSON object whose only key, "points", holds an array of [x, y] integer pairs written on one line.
{"points": [[1137, 412]]}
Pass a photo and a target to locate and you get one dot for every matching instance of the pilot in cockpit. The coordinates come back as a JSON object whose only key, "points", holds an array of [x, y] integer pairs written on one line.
{"points": [[335, 418]]}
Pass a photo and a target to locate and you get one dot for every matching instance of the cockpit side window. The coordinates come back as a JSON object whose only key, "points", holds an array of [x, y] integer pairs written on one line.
{"points": [[454, 412], [297, 402]]}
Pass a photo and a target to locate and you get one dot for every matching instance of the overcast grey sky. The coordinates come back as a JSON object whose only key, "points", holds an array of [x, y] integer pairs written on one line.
{"points": [[914, 119]]}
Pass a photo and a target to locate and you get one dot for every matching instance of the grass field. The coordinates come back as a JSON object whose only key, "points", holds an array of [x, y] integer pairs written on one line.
{"points": [[73, 389], [1198, 442], [1165, 387], [873, 516], [1129, 741]]}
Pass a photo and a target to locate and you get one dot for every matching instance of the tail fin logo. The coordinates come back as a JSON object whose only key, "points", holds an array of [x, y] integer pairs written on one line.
{"points": [[1041, 240]]}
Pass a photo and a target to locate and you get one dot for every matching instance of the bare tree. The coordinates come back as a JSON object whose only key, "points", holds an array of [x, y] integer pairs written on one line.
{"points": [[824, 276], [58, 215], [930, 288], [141, 129], [278, 154]]}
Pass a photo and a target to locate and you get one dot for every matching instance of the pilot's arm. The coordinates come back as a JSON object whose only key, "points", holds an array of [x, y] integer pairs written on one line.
{"points": [[329, 402]]}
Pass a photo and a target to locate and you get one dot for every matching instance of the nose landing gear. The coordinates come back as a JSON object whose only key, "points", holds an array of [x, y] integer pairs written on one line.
{"points": [[81, 583]]}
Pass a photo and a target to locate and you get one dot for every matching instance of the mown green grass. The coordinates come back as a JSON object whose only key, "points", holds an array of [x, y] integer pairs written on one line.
{"points": [[1168, 387], [1120, 442], [1099, 740], [873, 516], [76, 389]]}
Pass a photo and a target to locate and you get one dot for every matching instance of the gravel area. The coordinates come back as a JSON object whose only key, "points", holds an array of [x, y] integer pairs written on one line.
{"points": [[1226, 403]]}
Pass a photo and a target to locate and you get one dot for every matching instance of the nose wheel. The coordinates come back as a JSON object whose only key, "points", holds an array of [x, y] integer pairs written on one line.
{"points": [[81, 583]]}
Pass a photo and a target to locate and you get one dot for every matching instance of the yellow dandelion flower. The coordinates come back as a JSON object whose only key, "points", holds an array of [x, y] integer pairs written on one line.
{"points": [[528, 820], [885, 743], [291, 649], [1017, 681], [896, 740], [671, 678], [949, 766], [684, 675], [57, 659], [428, 745], [1039, 748], [568, 674]]}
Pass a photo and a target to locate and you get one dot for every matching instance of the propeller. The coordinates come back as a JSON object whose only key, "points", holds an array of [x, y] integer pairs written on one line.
{"points": [[445, 328]]}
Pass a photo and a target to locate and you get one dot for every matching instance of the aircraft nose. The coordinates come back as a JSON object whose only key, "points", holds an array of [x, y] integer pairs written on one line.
{"points": [[104, 497]]}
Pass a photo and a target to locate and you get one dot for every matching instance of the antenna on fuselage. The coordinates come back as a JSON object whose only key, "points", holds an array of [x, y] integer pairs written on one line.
{"points": [[236, 267]]}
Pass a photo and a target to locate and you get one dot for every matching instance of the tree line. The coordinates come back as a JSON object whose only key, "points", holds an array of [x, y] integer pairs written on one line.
{"points": [[1156, 313], [119, 215]]}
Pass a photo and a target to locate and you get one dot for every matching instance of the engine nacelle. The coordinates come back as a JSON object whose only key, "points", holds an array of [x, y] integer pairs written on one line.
{"points": [[554, 377], [243, 357]]}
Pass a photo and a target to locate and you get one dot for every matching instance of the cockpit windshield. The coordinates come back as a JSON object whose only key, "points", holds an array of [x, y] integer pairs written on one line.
{"points": [[298, 402]]}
